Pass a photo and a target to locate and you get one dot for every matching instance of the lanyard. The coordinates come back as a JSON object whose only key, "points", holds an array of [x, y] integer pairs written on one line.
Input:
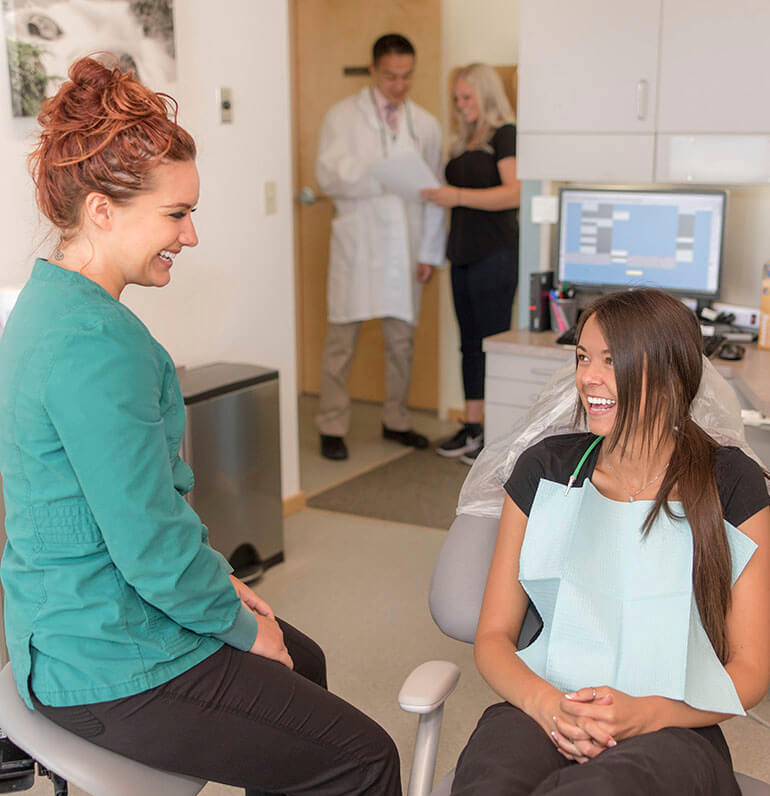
{"points": [[383, 131], [576, 471]]}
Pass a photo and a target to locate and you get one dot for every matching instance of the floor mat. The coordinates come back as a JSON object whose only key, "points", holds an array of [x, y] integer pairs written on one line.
{"points": [[420, 488]]}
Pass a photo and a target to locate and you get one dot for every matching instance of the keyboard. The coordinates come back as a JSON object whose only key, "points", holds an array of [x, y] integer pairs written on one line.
{"points": [[569, 337], [711, 343]]}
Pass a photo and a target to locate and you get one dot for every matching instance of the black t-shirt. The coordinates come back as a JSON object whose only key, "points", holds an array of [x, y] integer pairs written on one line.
{"points": [[474, 234], [740, 483]]}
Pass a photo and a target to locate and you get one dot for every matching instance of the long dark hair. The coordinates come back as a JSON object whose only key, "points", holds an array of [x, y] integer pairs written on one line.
{"points": [[656, 348]]}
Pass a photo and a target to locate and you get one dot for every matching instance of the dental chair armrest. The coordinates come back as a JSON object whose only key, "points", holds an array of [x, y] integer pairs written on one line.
{"points": [[428, 686]]}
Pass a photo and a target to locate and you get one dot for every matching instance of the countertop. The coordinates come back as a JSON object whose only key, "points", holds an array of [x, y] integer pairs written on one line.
{"points": [[750, 375]]}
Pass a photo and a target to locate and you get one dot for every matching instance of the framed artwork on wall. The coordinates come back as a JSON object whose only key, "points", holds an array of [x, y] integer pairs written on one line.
{"points": [[43, 37]]}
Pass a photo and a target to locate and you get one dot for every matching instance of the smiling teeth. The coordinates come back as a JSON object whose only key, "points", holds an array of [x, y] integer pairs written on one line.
{"points": [[600, 401], [167, 255]]}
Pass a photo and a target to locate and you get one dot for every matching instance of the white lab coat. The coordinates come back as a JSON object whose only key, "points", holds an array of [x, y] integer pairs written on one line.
{"points": [[377, 238]]}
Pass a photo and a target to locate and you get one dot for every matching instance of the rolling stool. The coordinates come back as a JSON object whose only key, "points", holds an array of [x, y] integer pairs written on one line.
{"points": [[95, 770]]}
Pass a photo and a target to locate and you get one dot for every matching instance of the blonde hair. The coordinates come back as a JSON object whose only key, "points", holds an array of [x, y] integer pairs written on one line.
{"points": [[494, 108]]}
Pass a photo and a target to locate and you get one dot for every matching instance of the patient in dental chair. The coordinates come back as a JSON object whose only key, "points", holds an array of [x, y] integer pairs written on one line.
{"points": [[645, 547]]}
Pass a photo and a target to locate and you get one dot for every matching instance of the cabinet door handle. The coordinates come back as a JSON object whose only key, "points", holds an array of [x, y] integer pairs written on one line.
{"points": [[641, 100]]}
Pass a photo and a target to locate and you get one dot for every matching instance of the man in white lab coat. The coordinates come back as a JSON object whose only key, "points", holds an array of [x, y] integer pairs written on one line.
{"points": [[383, 248]]}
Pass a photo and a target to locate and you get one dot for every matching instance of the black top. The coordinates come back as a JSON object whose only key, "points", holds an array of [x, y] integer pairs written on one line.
{"points": [[740, 482], [473, 233]]}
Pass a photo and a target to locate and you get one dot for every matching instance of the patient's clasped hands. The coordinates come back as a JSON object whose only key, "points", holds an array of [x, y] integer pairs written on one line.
{"points": [[594, 719]]}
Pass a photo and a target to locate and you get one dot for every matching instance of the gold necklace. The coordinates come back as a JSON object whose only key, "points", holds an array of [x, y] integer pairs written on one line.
{"points": [[632, 495]]}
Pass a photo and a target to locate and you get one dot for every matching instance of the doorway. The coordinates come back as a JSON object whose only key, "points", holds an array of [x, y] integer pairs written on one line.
{"points": [[327, 37]]}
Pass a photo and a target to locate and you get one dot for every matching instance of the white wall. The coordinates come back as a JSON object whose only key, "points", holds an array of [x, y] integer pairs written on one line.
{"points": [[488, 31], [19, 229], [231, 298], [746, 244]]}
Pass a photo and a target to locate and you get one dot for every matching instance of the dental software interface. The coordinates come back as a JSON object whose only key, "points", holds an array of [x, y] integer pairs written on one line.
{"points": [[666, 239]]}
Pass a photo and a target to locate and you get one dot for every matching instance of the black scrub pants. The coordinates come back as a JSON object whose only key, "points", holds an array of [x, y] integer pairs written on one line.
{"points": [[483, 293], [248, 721], [509, 754]]}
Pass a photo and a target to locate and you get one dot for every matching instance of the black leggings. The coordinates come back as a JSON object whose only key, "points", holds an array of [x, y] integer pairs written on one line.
{"points": [[483, 294], [248, 721], [509, 754]]}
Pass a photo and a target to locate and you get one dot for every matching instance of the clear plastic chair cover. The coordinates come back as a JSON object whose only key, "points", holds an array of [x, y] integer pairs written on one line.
{"points": [[715, 409]]}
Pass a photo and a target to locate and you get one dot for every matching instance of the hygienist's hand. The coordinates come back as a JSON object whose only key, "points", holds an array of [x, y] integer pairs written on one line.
{"points": [[269, 642], [424, 272], [254, 603], [444, 196], [604, 712]]}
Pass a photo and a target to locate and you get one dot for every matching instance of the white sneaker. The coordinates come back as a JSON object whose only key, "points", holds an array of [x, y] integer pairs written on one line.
{"points": [[462, 442], [470, 458]]}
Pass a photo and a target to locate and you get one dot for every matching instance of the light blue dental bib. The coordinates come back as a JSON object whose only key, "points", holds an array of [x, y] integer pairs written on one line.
{"points": [[619, 609]]}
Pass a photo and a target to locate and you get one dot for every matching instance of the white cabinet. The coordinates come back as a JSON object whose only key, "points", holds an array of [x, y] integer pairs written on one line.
{"points": [[588, 66], [585, 157], [644, 90], [713, 115], [715, 73], [587, 89], [516, 372]]}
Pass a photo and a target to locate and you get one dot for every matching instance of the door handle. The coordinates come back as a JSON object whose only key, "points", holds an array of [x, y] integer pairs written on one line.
{"points": [[307, 196]]}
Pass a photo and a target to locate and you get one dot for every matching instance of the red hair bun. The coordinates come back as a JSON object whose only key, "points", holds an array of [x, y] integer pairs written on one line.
{"points": [[103, 131]]}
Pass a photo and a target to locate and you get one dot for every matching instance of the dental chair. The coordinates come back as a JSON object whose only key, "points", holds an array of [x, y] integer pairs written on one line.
{"points": [[456, 591], [69, 758]]}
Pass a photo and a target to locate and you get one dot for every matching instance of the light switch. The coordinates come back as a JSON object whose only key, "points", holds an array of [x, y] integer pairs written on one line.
{"points": [[545, 210], [225, 96], [271, 198]]}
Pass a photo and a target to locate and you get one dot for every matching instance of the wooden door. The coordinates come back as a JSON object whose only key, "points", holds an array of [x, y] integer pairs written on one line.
{"points": [[327, 36]]}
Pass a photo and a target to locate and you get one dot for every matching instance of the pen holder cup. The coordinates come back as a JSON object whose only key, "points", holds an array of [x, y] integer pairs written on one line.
{"points": [[563, 313]]}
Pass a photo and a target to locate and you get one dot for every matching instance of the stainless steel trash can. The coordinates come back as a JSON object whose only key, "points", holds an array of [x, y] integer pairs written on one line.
{"points": [[232, 442]]}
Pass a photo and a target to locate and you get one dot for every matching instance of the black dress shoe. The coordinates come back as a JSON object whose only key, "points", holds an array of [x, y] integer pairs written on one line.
{"points": [[410, 438], [333, 447]]}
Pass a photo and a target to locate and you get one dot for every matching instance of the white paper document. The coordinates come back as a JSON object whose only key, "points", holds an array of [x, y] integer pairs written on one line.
{"points": [[404, 174]]}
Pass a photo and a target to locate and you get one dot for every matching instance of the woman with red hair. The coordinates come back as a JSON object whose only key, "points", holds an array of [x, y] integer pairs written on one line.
{"points": [[123, 625]]}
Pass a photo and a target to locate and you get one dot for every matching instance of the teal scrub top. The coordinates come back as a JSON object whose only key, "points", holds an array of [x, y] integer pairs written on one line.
{"points": [[111, 586]]}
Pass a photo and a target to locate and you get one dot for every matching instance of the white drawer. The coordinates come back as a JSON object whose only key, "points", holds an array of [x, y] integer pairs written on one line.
{"points": [[512, 393], [499, 420], [515, 366]]}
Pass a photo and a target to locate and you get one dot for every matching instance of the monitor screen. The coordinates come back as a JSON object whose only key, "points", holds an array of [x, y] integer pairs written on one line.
{"points": [[667, 239]]}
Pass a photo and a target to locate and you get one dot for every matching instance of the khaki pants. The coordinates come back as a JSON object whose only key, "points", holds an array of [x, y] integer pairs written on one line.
{"points": [[334, 414]]}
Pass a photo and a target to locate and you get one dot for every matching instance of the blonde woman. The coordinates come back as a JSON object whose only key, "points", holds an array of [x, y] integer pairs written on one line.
{"points": [[483, 192]]}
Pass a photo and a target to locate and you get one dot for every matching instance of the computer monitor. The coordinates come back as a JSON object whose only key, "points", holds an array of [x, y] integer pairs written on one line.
{"points": [[614, 239]]}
